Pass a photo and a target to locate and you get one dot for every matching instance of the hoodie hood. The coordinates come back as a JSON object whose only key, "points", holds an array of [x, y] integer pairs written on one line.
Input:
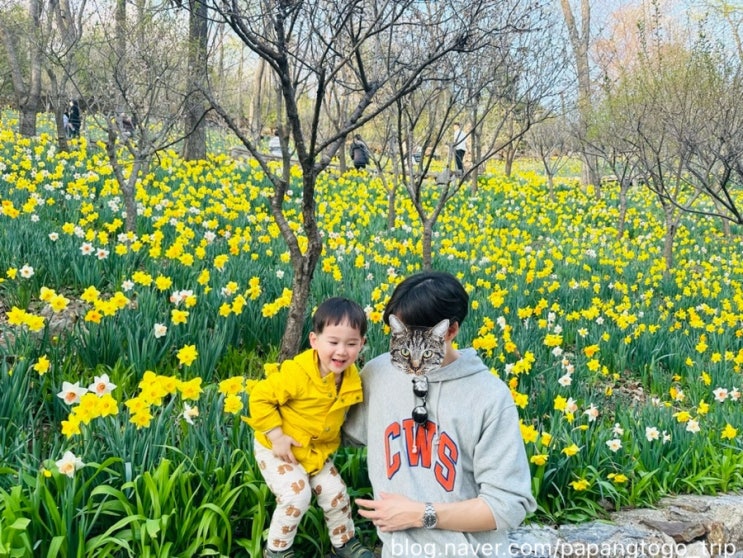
{"points": [[467, 364]]}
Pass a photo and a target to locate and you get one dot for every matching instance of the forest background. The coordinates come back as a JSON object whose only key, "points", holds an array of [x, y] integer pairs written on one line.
{"points": [[149, 274]]}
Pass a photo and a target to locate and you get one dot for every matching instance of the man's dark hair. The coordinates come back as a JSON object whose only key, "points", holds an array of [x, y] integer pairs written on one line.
{"points": [[337, 310], [426, 298]]}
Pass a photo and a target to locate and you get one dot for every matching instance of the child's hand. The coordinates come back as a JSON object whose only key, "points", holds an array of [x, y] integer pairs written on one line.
{"points": [[281, 445]]}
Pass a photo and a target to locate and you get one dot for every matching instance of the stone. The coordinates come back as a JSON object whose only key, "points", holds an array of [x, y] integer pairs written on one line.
{"points": [[679, 531], [697, 550], [689, 526]]}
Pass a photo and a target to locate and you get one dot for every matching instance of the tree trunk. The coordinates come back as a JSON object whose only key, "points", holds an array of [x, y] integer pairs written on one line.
{"points": [[427, 244], [129, 195], [671, 229], [195, 126], [624, 187], [476, 146], [303, 262], [509, 154], [590, 173], [27, 119], [27, 91], [291, 342], [128, 185], [392, 186], [580, 42], [256, 113]]}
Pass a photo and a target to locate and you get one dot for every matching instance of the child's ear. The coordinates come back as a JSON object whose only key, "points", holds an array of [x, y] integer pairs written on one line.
{"points": [[313, 339]]}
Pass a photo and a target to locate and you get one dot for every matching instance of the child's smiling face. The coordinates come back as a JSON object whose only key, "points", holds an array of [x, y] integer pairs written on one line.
{"points": [[338, 347]]}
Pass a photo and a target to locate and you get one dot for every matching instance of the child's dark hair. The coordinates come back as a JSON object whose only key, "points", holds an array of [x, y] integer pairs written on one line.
{"points": [[426, 298], [337, 310]]}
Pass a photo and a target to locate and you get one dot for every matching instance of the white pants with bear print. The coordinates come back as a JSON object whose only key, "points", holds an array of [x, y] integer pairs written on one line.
{"points": [[293, 489]]}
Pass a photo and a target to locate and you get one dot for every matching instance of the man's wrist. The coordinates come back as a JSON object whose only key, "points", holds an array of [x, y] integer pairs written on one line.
{"points": [[430, 519]]}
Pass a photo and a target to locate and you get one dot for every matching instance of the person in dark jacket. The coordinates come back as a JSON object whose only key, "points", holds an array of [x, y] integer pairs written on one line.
{"points": [[75, 120], [359, 152]]}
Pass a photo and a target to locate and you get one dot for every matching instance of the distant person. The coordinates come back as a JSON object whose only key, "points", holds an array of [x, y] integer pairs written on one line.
{"points": [[75, 120], [274, 144], [127, 126], [66, 124], [460, 147], [417, 154], [359, 152]]}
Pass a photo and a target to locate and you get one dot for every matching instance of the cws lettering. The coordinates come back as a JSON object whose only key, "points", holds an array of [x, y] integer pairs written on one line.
{"points": [[441, 457]]}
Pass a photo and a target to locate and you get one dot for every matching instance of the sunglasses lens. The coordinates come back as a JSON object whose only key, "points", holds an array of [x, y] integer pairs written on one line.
{"points": [[420, 414]]}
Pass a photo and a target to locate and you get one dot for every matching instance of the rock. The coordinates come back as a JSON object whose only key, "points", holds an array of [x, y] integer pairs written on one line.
{"points": [[697, 550], [679, 531], [688, 526]]}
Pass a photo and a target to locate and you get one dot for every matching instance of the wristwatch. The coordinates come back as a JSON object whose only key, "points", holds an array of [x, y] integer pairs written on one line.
{"points": [[430, 519]]}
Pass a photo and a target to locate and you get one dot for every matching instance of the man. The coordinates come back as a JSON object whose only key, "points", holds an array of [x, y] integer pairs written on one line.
{"points": [[451, 476], [460, 147]]}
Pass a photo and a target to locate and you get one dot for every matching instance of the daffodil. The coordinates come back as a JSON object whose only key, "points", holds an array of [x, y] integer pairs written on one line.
{"points": [[189, 413], [190, 389], [69, 464], [571, 450], [71, 393], [617, 478], [42, 365], [233, 404], [187, 355], [101, 385], [729, 432]]}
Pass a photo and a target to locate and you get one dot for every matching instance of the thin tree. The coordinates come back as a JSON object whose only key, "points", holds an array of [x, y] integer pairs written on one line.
{"points": [[20, 33], [579, 32], [194, 146], [144, 82], [494, 91], [376, 51], [551, 143]]}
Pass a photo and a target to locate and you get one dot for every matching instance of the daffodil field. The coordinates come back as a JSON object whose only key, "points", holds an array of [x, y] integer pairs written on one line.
{"points": [[126, 357]]}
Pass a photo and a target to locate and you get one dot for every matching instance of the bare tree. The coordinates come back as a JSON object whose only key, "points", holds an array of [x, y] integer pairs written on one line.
{"points": [[21, 37], [607, 141], [141, 92], [194, 146], [579, 32], [495, 90], [64, 32], [551, 141], [676, 118], [375, 51]]}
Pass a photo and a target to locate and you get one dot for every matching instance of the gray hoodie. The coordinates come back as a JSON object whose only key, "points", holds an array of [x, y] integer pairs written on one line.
{"points": [[471, 447]]}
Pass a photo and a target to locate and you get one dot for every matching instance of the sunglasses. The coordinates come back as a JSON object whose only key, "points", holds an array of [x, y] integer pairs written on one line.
{"points": [[420, 389]]}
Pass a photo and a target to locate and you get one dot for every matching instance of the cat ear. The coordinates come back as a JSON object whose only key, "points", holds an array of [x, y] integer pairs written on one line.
{"points": [[396, 325], [440, 328]]}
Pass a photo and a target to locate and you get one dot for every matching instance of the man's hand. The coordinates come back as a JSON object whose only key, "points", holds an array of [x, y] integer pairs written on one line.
{"points": [[392, 512]]}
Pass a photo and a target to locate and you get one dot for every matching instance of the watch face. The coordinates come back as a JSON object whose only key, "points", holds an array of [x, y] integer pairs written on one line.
{"points": [[429, 517]]}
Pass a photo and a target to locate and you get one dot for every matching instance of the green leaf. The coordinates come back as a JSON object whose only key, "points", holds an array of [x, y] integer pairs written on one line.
{"points": [[55, 546], [153, 527], [20, 524]]}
